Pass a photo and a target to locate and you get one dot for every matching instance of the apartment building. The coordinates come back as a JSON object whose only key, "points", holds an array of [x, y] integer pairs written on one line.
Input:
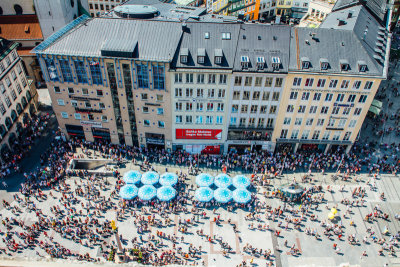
{"points": [[208, 87], [316, 13], [98, 8], [113, 86], [247, 9], [18, 100], [201, 80], [259, 74], [327, 95]]}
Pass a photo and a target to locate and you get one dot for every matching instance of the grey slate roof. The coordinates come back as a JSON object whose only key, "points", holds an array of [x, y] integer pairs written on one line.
{"points": [[266, 41], [340, 4], [370, 33], [156, 40], [194, 41], [333, 46]]}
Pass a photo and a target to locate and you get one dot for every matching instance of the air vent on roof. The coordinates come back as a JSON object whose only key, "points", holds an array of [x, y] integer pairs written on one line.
{"points": [[307, 42], [350, 15], [244, 37], [342, 22], [27, 28], [259, 37], [342, 43]]}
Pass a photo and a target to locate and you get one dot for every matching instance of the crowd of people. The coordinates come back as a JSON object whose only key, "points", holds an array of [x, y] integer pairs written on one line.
{"points": [[30, 132], [83, 203]]}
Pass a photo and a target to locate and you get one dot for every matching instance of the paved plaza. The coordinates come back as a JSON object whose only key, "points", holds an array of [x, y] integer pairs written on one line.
{"points": [[256, 231]]}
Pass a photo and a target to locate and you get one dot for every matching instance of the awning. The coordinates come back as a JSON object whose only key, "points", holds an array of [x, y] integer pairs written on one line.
{"points": [[374, 110], [377, 103]]}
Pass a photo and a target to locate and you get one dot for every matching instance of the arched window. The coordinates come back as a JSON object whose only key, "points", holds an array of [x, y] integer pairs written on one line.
{"points": [[18, 9], [1, 11], [19, 109], [14, 115], [75, 16], [24, 102], [72, 3], [3, 130], [28, 95], [8, 123]]}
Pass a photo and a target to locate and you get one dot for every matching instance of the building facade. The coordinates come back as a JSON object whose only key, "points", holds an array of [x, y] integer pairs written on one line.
{"points": [[98, 8], [207, 87], [246, 9], [327, 96], [259, 74], [18, 99], [316, 13], [118, 91]]}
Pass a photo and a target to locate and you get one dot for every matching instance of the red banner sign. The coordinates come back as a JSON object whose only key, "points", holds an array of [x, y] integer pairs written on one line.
{"points": [[198, 134]]}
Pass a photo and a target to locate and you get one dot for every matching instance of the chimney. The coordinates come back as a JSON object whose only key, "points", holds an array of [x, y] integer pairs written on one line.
{"points": [[350, 15], [341, 22]]}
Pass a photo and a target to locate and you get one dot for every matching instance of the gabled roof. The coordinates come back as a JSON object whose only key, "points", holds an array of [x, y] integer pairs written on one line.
{"points": [[333, 46], [20, 27], [194, 42], [370, 32], [154, 40], [265, 41]]}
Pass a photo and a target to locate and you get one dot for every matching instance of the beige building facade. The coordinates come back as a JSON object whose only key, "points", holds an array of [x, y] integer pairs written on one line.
{"points": [[323, 111], [18, 98]]}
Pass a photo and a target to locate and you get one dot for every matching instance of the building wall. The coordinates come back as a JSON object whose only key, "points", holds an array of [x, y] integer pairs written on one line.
{"points": [[17, 100], [216, 129], [27, 6], [254, 101], [317, 12], [55, 14], [99, 7], [115, 104], [347, 121]]}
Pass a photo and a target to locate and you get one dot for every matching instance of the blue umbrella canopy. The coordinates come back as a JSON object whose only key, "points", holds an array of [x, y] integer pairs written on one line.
{"points": [[166, 193], [147, 192], [150, 178], [223, 195], [204, 194], [132, 177], [241, 195], [204, 179], [223, 181], [241, 181], [168, 178], [128, 191]]}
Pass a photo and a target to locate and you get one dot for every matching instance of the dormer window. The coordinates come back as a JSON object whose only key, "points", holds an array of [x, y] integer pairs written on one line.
{"points": [[184, 59], [218, 56], [201, 55], [305, 63], [260, 63], [362, 66], [200, 59], [206, 35], [244, 61], [344, 65], [276, 63], [324, 64], [184, 55]]}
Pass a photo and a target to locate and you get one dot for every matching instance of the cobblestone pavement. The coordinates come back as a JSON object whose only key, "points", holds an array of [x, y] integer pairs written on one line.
{"points": [[314, 252]]}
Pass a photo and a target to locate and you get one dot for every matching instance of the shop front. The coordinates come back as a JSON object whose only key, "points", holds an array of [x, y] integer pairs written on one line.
{"points": [[156, 141], [198, 141], [75, 131], [101, 134], [242, 146]]}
